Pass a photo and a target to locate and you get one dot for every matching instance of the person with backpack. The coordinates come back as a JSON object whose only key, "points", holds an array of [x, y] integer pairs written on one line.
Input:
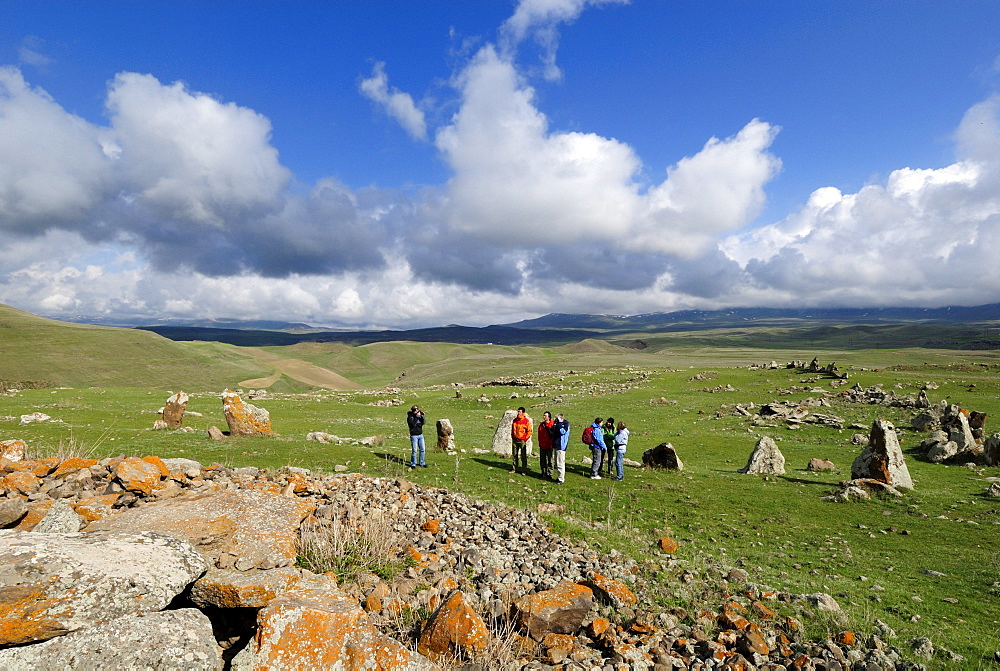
{"points": [[545, 444], [593, 436], [609, 441], [520, 434], [560, 442], [415, 422], [621, 444]]}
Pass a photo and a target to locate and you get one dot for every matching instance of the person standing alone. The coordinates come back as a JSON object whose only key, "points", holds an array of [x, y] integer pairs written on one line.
{"points": [[415, 421], [520, 434]]}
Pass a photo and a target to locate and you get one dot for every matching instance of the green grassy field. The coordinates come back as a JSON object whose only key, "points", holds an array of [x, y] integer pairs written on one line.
{"points": [[871, 556]]}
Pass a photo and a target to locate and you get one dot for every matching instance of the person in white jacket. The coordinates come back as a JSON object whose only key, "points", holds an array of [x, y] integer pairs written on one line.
{"points": [[621, 444]]}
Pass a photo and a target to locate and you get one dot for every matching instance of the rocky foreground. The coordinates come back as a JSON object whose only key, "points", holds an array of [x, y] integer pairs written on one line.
{"points": [[165, 563]]}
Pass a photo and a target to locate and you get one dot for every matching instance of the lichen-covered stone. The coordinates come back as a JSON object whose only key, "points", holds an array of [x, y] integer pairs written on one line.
{"points": [[240, 529], [561, 609], [168, 640], [244, 419], [882, 459], [455, 629], [173, 411], [315, 626], [12, 450], [51, 584], [137, 475]]}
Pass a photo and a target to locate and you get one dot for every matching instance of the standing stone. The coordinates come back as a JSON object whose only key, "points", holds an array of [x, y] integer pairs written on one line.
{"points": [[882, 459], [662, 456], [446, 435], [244, 419], [173, 411], [12, 450], [502, 444], [992, 446], [766, 459], [959, 431]]}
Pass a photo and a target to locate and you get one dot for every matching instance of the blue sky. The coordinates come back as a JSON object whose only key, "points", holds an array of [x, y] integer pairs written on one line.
{"points": [[416, 163]]}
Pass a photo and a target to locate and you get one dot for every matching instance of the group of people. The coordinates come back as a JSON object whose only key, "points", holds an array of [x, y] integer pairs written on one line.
{"points": [[607, 442]]}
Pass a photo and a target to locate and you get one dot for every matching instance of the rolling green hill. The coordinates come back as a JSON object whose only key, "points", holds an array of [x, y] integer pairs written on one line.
{"points": [[38, 352]]}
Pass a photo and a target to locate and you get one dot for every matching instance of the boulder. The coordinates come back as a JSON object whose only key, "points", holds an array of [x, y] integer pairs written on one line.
{"points": [[215, 433], [454, 630], [766, 459], [173, 411], [315, 626], [12, 450], [244, 419], [53, 584], [559, 610], [662, 456], [993, 491], [242, 529], [502, 444], [171, 639], [882, 459], [445, 435], [820, 465]]}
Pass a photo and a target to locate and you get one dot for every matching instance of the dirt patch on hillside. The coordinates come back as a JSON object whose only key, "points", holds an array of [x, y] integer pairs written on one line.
{"points": [[297, 369]]}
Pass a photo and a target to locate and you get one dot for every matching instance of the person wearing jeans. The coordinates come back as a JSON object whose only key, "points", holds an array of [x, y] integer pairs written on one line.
{"points": [[415, 421], [597, 449], [559, 445], [621, 443]]}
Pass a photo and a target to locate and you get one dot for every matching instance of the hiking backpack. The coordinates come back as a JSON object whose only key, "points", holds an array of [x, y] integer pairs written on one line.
{"points": [[588, 436]]}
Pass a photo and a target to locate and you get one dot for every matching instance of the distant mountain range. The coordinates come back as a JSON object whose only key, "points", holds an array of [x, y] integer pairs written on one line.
{"points": [[556, 329]]}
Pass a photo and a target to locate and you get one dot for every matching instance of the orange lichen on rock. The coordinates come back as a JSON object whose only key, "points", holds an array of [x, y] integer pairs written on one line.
{"points": [[137, 475], [72, 465], [560, 609], [23, 615], [454, 629], [38, 467], [36, 511], [156, 461], [668, 545], [94, 508], [612, 590], [314, 625], [244, 419], [22, 482], [431, 526], [13, 450]]}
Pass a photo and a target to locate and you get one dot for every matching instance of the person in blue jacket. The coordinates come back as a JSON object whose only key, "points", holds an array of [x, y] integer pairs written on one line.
{"points": [[597, 449], [560, 442]]}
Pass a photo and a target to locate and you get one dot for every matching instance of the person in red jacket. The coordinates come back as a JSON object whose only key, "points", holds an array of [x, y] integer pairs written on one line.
{"points": [[545, 444], [520, 434]]}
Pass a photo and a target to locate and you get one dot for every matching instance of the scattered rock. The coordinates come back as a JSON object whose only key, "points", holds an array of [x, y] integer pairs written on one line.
{"points": [[34, 417], [820, 465]]}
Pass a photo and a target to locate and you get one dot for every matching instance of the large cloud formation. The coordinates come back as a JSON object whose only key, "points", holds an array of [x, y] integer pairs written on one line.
{"points": [[180, 206]]}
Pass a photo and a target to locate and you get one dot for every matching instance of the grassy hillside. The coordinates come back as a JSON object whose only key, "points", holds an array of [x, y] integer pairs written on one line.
{"points": [[38, 352], [874, 557]]}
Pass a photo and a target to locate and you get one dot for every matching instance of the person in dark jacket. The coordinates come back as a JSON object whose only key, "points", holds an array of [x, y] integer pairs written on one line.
{"points": [[415, 422]]}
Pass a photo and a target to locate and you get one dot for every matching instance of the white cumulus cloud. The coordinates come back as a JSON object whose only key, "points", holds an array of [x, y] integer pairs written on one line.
{"points": [[398, 105]]}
